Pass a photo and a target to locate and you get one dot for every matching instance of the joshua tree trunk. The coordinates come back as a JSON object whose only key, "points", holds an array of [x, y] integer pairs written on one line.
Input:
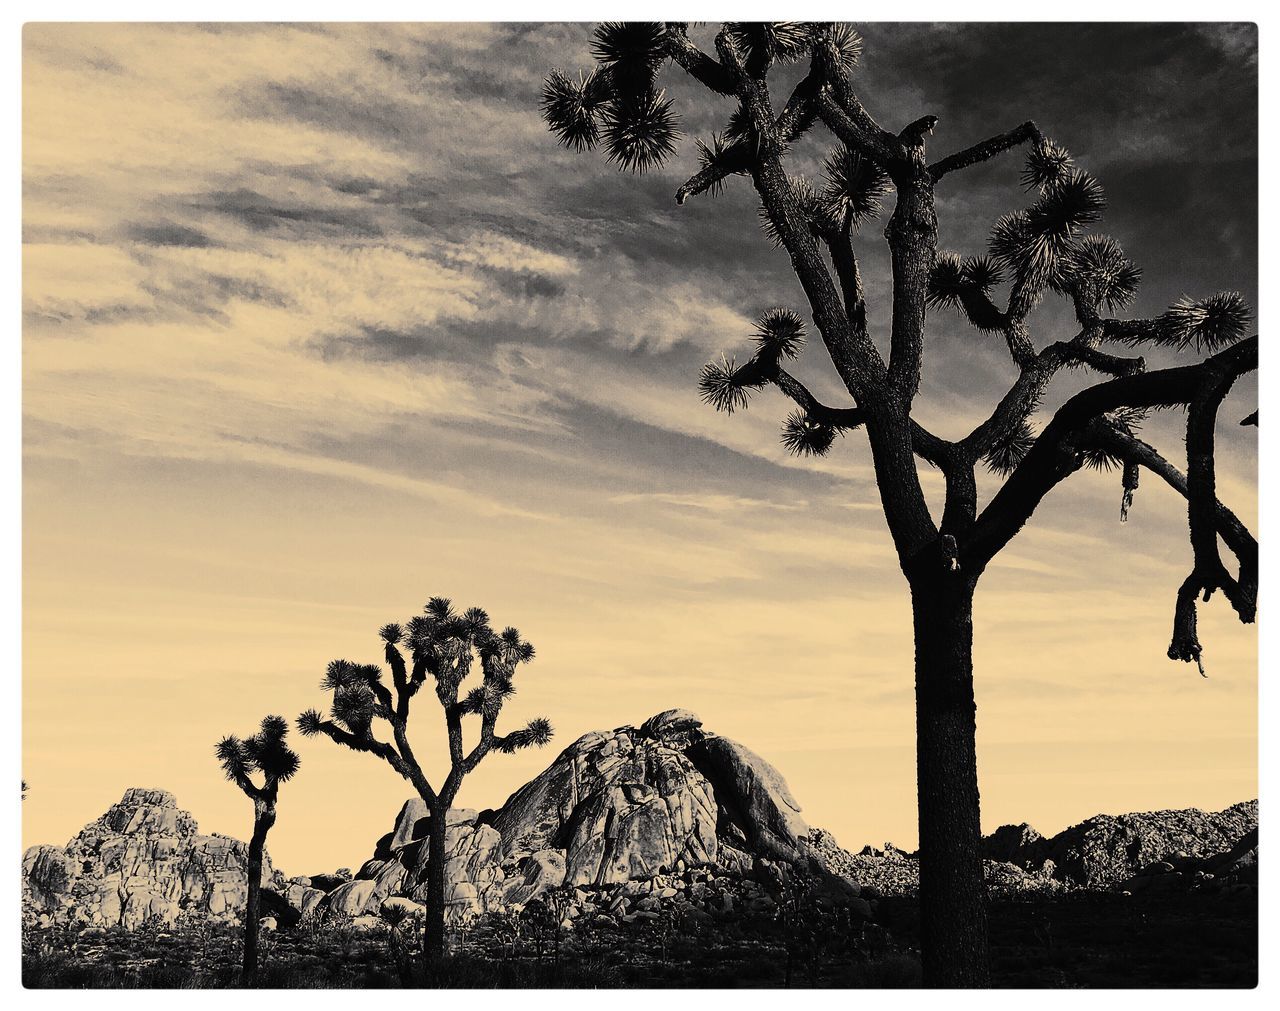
{"points": [[953, 908], [434, 938], [263, 819]]}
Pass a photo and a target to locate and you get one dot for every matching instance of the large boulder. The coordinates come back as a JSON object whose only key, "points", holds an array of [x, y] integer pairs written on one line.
{"points": [[630, 804], [144, 858]]}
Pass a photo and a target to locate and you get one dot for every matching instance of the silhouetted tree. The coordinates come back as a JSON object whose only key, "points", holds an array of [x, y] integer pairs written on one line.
{"points": [[444, 646], [265, 753], [1036, 250]]}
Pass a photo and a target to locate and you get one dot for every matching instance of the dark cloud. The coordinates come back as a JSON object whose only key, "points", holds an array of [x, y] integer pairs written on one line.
{"points": [[167, 233], [262, 214]]}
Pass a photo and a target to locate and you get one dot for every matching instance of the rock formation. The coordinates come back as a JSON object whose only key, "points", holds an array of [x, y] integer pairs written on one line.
{"points": [[621, 822], [143, 858], [626, 805], [1107, 849]]}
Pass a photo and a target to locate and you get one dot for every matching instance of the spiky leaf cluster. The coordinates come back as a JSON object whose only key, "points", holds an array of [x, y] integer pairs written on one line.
{"points": [[640, 131], [721, 385], [1127, 420], [762, 43], [1032, 243], [953, 276], [1209, 324], [265, 752], [1096, 266], [803, 435], [779, 333], [1010, 449], [537, 733], [947, 281], [631, 52], [1048, 163], [713, 155], [853, 186], [571, 107], [617, 104]]}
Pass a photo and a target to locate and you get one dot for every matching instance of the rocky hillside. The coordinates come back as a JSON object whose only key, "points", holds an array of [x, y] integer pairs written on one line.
{"points": [[144, 857], [621, 821], [1106, 850]]}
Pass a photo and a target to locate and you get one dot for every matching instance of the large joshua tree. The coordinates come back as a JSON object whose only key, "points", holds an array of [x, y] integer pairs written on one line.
{"points": [[1037, 250], [267, 754], [444, 646]]}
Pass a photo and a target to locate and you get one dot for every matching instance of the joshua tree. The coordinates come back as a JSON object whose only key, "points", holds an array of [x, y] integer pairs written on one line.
{"points": [[443, 645], [1034, 251], [266, 753]]}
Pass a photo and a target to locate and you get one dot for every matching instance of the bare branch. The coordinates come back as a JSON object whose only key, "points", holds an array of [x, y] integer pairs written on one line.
{"points": [[1054, 455], [986, 150]]}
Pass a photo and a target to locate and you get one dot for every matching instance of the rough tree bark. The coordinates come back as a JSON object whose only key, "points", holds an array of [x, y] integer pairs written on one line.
{"points": [[264, 816], [953, 912], [434, 930]]}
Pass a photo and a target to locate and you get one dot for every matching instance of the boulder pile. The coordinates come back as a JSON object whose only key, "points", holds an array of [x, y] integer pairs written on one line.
{"points": [[143, 858], [626, 807]]}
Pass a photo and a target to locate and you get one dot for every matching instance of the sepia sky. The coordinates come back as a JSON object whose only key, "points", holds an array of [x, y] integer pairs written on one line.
{"points": [[320, 322]]}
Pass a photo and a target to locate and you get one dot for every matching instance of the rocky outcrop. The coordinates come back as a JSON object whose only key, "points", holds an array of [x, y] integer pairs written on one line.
{"points": [[143, 858], [1106, 850], [631, 804]]}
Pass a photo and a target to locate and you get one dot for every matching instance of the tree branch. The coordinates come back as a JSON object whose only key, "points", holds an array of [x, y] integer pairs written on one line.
{"points": [[986, 150], [696, 63], [1053, 457]]}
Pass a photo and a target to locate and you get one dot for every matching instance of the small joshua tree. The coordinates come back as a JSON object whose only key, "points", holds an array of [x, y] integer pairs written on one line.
{"points": [[1037, 250], [444, 646], [266, 753]]}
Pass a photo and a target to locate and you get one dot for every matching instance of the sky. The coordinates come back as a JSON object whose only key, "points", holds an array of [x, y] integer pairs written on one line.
{"points": [[319, 322]]}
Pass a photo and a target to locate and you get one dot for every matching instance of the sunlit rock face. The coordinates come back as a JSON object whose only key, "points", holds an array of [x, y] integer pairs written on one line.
{"points": [[629, 804], [143, 858]]}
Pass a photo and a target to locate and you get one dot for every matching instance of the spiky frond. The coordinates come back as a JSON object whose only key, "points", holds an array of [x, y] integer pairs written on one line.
{"points": [[353, 707], [640, 130], [853, 186], [779, 333], [720, 386], [419, 630], [538, 733], [308, 723], [391, 634], [231, 755], [848, 45], [1067, 205], [269, 753], [439, 608], [712, 156], [475, 620], [631, 51], [1049, 225], [526, 652], [771, 41], [1208, 323], [571, 107], [947, 280], [1048, 163], [805, 436], [1097, 266], [339, 674], [983, 273], [1009, 450], [739, 125], [1009, 236]]}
